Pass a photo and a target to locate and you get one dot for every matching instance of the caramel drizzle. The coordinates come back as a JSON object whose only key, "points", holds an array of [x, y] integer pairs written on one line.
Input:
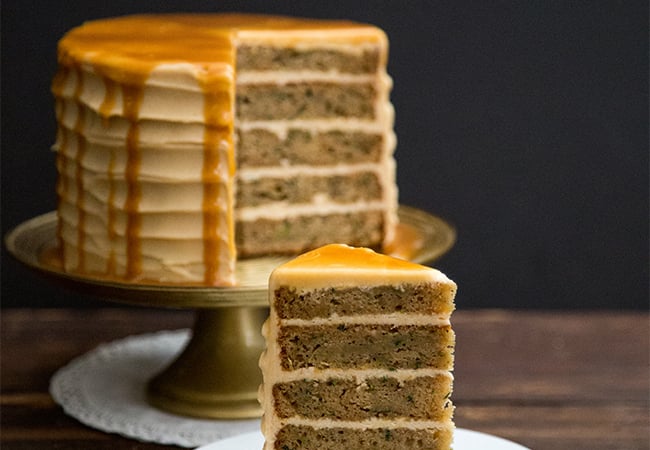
{"points": [[218, 92], [108, 103], [105, 110], [132, 96], [79, 178]]}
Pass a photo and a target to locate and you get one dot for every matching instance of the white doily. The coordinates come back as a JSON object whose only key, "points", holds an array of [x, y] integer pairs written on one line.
{"points": [[105, 389]]}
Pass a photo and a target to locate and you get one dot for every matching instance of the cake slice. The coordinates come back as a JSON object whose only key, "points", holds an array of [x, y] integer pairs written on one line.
{"points": [[359, 353]]}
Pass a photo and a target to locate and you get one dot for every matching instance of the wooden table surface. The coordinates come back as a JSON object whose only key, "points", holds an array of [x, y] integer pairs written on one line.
{"points": [[547, 380]]}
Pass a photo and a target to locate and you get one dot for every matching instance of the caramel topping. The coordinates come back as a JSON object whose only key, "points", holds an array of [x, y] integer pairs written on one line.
{"points": [[126, 47], [339, 256], [406, 242]]}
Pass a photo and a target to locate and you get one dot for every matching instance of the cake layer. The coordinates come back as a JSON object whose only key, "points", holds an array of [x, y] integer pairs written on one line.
{"points": [[305, 101], [154, 196], [112, 132], [173, 151], [344, 398], [156, 225], [354, 61], [366, 346], [116, 266], [360, 186], [293, 233], [171, 93], [178, 191], [302, 437], [261, 147], [100, 161], [424, 298], [174, 259]]}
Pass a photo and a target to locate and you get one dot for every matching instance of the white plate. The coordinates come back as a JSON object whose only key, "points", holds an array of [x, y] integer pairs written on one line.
{"points": [[463, 440]]}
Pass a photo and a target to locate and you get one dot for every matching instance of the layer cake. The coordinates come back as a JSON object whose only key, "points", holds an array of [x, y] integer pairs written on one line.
{"points": [[188, 141], [359, 353]]}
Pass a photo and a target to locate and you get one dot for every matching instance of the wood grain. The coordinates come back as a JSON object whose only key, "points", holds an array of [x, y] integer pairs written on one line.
{"points": [[548, 380]]}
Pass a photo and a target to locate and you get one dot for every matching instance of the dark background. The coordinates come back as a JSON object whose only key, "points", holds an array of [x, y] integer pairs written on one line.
{"points": [[523, 123]]}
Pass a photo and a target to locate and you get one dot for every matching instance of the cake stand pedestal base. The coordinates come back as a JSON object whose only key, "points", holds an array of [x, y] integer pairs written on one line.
{"points": [[216, 375]]}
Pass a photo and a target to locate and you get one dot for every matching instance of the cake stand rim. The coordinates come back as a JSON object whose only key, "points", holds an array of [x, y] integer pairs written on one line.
{"points": [[191, 296]]}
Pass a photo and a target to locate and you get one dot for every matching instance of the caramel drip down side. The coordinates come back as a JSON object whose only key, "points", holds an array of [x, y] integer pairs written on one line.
{"points": [[79, 178], [218, 93], [109, 99], [105, 109], [132, 95], [111, 268], [58, 85]]}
